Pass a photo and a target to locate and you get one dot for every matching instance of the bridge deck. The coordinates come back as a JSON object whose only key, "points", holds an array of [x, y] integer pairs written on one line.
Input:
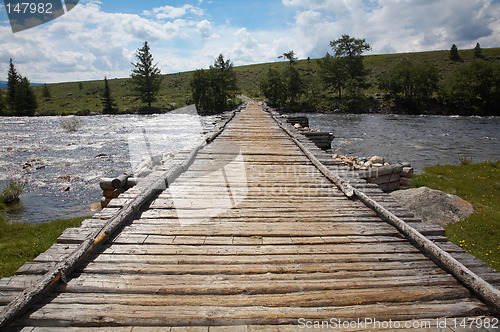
{"points": [[252, 234]]}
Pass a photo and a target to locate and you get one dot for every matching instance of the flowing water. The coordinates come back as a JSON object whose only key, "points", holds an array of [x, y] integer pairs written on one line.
{"points": [[63, 169], [420, 140]]}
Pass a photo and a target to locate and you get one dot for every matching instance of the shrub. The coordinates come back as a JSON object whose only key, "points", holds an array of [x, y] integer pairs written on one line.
{"points": [[13, 191], [464, 161], [71, 124]]}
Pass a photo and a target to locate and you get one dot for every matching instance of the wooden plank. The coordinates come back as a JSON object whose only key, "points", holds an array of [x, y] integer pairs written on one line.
{"points": [[291, 268], [381, 258], [260, 249], [90, 315], [304, 299]]}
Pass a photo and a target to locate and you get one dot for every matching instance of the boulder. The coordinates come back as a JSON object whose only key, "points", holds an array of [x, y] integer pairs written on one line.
{"points": [[434, 206], [377, 160]]}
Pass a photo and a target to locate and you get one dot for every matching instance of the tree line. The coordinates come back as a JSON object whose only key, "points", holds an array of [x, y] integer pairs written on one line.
{"points": [[212, 90], [408, 87], [340, 82]]}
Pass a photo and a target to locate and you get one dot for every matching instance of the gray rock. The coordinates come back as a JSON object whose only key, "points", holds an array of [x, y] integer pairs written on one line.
{"points": [[434, 206], [377, 160]]}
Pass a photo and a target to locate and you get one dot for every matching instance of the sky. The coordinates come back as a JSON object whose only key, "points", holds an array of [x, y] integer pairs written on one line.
{"points": [[100, 38]]}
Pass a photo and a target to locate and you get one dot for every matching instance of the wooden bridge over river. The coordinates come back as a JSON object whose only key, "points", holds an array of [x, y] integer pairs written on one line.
{"points": [[259, 230]]}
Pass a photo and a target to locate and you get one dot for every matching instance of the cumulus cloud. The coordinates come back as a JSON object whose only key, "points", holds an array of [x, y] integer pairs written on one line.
{"points": [[171, 12], [204, 28], [89, 43], [413, 25]]}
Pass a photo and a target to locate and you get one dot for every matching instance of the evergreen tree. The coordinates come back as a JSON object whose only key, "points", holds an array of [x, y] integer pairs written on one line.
{"points": [[332, 73], [109, 106], [146, 77], [13, 80], [224, 82], [2, 103], [290, 56], [212, 88], [478, 51], [411, 84], [25, 102], [46, 92], [454, 53], [201, 89], [345, 67], [274, 88], [474, 89], [295, 85]]}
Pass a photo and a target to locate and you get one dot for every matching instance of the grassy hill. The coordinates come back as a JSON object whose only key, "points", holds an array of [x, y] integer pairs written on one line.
{"points": [[85, 97]]}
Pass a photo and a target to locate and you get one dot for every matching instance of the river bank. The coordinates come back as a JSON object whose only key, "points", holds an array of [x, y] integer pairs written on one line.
{"points": [[479, 184], [20, 243]]}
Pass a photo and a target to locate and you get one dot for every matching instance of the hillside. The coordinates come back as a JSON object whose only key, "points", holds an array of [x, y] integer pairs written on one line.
{"points": [[84, 97]]}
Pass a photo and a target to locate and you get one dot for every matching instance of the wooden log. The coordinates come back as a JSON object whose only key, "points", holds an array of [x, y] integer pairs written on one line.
{"points": [[121, 180], [105, 202], [393, 186], [407, 172], [385, 179], [302, 120], [111, 193], [405, 182], [106, 184], [479, 286], [132, 182], [380, 171]]}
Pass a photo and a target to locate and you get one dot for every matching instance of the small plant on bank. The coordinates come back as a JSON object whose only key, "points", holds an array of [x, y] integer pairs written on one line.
{"points": [[464, 161], [71, 124], [12, 192]]}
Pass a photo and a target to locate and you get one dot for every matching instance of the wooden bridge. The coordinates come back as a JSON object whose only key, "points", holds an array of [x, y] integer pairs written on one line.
{"points": [[259, 230]]}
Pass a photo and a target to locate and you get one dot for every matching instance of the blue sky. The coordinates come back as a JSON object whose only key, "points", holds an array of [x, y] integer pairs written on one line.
{"points": [[99, 38]]}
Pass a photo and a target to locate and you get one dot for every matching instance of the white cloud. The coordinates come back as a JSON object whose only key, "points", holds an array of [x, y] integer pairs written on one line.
{"points": [[88, 43], [171, 12], [204, 28], [389, 25]]}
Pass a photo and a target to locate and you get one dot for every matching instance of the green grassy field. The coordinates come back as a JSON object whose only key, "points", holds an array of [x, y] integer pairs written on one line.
{"points": [[68, 98], [478, 184], [20, 243]]}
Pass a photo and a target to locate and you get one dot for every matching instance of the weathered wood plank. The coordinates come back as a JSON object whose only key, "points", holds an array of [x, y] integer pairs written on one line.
{"points": [[349, 297], [90, 315]]}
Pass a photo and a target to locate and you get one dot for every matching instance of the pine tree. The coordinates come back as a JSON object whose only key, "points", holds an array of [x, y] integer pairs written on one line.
{"points": [[212, 88], [12, 81], [2, 103], [46, 92], [25, 100], [478, 51], [454, 53], [146, 77], [109, 106]]}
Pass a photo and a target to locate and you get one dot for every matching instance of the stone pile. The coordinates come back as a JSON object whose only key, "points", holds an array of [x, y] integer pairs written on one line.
{"points": [[357, 163], [375, 170]]}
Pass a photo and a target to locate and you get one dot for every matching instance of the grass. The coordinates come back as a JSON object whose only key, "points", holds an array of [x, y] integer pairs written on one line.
{"points": [[478, 184], [83, 98], [20, 243]]}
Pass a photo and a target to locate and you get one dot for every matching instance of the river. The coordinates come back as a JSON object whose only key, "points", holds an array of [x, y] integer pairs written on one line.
{"points": [[420, 140], [63, 169]]}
